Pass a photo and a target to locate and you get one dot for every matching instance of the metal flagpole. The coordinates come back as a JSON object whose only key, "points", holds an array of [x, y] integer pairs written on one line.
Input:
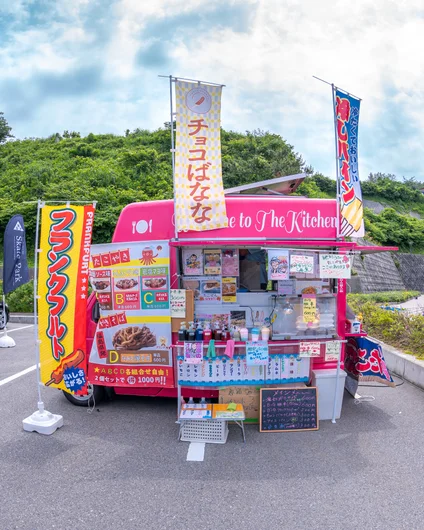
{"points": [[337, 162], [41, 421], [37, 341], [173, 155]]}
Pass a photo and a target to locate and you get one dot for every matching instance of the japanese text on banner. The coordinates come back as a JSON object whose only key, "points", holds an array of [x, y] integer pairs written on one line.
{"points": [[63, 290], [199, 192], [346, 122]]}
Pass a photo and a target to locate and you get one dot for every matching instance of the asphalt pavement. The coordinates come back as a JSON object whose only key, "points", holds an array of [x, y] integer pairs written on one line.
{"points": [[121, 467]]}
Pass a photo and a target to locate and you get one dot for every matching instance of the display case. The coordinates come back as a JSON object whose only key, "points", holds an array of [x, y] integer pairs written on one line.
{"points": [[289, 323]]}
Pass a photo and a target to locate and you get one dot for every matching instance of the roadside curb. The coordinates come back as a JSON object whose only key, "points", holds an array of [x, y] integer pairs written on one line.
{"points": [[21, 318], [403, 364]]}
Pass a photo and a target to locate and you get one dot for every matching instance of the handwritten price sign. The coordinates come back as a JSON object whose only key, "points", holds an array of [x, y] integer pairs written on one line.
{"points": [[256, 353], [332, 351], [309, 349], [334, 266], [309, 308]]}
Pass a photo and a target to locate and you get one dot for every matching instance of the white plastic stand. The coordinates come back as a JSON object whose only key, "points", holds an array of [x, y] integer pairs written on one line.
{"points": [[6, 341], [42, 421]]}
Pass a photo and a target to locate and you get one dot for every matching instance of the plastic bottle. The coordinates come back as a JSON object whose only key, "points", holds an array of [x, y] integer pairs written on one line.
{"points": [[244, 334], [217, 333], [182, 332], [255, 334], [226, 335], [199, 332], [236, 334], [203, 401], [207, 333], [191, 401], [265, 333], [191, 333]]}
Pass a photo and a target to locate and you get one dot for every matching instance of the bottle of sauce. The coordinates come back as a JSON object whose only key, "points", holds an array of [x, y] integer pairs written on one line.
{"points": [[191, 333], [226, 335], [217, 333], [207, 334], [182, 332], [199, 332]]}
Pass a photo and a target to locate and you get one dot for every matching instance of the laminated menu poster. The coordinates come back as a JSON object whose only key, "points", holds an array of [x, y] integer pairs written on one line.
{"points": [[193, 352], [230, 262], [278, 265], [205, 288], [212, 262], [229, 290], [257, 353], [192, 262], [132, 344]]}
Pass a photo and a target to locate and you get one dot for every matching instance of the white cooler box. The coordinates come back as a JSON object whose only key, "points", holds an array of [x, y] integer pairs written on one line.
{"points": [[325, 381]]}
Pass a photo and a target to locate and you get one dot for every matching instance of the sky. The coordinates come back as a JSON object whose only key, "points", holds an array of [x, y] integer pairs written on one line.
{"points": [[93, 66]]}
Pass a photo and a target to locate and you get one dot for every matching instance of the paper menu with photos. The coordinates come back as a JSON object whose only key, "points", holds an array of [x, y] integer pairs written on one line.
{"points": [[132, 343], [229, 290]]}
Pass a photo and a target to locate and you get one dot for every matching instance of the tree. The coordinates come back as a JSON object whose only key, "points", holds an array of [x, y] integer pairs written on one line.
{"points": [[5, 130]]}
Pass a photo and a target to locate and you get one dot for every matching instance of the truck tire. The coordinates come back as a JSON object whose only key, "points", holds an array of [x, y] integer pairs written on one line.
{"points": [[95, 395]]}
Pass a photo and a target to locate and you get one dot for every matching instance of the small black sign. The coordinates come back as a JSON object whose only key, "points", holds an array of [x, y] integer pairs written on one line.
{"points": [[288, 409]]}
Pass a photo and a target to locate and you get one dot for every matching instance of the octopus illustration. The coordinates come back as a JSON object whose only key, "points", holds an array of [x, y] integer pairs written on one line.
{"points": [[147, 257]]}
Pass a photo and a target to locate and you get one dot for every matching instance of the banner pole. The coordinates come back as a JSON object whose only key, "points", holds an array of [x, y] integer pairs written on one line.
{"points": [[337, 162], [37, 342], [173, 155], [41, 421]]}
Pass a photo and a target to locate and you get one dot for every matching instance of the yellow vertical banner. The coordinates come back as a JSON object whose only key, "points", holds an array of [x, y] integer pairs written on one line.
{"points": [[63, 282], [198, 188]]}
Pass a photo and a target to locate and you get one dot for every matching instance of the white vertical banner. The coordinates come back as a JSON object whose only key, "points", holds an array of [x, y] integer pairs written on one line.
{"points": [[199, 192]]}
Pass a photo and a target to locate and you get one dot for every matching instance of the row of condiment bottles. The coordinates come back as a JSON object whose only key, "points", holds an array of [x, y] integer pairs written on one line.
{"points": [[205, 335]]}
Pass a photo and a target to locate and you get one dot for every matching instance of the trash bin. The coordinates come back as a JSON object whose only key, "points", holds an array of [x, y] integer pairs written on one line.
{"points": [[325, 381]]}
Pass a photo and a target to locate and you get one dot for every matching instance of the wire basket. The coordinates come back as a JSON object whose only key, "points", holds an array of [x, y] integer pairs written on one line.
{"points": [[206, 431]]}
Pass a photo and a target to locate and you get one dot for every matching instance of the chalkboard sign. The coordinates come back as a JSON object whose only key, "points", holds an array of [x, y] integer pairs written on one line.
{"points": [[288, 409]]}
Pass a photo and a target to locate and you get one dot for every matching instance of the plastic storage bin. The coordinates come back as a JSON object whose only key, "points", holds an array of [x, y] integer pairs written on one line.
{"points": [[325, 381], [207, 431]]}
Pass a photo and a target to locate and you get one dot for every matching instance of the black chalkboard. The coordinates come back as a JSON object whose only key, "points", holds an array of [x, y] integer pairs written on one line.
{"points": [[288, 409]]}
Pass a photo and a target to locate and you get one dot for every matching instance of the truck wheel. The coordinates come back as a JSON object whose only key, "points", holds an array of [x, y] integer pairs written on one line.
{"points": [[95, 395]]}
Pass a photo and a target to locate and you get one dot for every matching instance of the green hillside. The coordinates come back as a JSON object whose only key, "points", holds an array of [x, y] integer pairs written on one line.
{"points": [[116, 170]]}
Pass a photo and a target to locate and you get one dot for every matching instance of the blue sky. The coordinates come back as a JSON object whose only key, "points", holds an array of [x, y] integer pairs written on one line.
{"points": [[93, 65]]}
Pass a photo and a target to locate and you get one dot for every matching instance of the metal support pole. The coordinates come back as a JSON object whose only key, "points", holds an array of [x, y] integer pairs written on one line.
{"points": [[336, 391], [173, 154], [337, 162], [37, 342]]}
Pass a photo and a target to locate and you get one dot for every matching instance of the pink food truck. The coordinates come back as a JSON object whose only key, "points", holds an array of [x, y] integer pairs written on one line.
{"points": [[276, 274]]}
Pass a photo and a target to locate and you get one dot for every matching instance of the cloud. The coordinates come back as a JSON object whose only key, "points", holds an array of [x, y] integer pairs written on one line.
{"points": [[92, 65]]}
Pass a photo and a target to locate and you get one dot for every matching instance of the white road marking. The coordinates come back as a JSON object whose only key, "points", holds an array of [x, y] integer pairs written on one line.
{"points": [[196, 452], [17, 329], [19, 374]]}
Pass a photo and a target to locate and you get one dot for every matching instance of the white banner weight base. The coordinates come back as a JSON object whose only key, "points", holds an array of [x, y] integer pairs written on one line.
{"points": [[42, 421]]}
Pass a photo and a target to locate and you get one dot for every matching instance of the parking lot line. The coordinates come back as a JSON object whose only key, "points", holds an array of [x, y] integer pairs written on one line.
{"points": [[196, 452], [17, 329], [19, 374]]}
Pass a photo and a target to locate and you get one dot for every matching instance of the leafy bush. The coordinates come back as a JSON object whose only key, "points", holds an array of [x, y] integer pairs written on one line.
{"points": [[397, 328], [22, 299]]}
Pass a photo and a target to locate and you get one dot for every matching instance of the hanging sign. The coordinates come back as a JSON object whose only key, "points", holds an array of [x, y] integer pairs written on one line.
{"points": [[257, 353], [193, 352], [309, 308], [300, 264], [178, 303], [286, 287], [309, 349], [199, 192], [278, 265], [332, 351], [346, 119], [334, 266], [63, 283]]}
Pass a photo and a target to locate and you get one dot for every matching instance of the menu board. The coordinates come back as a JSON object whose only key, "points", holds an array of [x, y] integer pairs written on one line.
{"points": [[288, 409]]}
